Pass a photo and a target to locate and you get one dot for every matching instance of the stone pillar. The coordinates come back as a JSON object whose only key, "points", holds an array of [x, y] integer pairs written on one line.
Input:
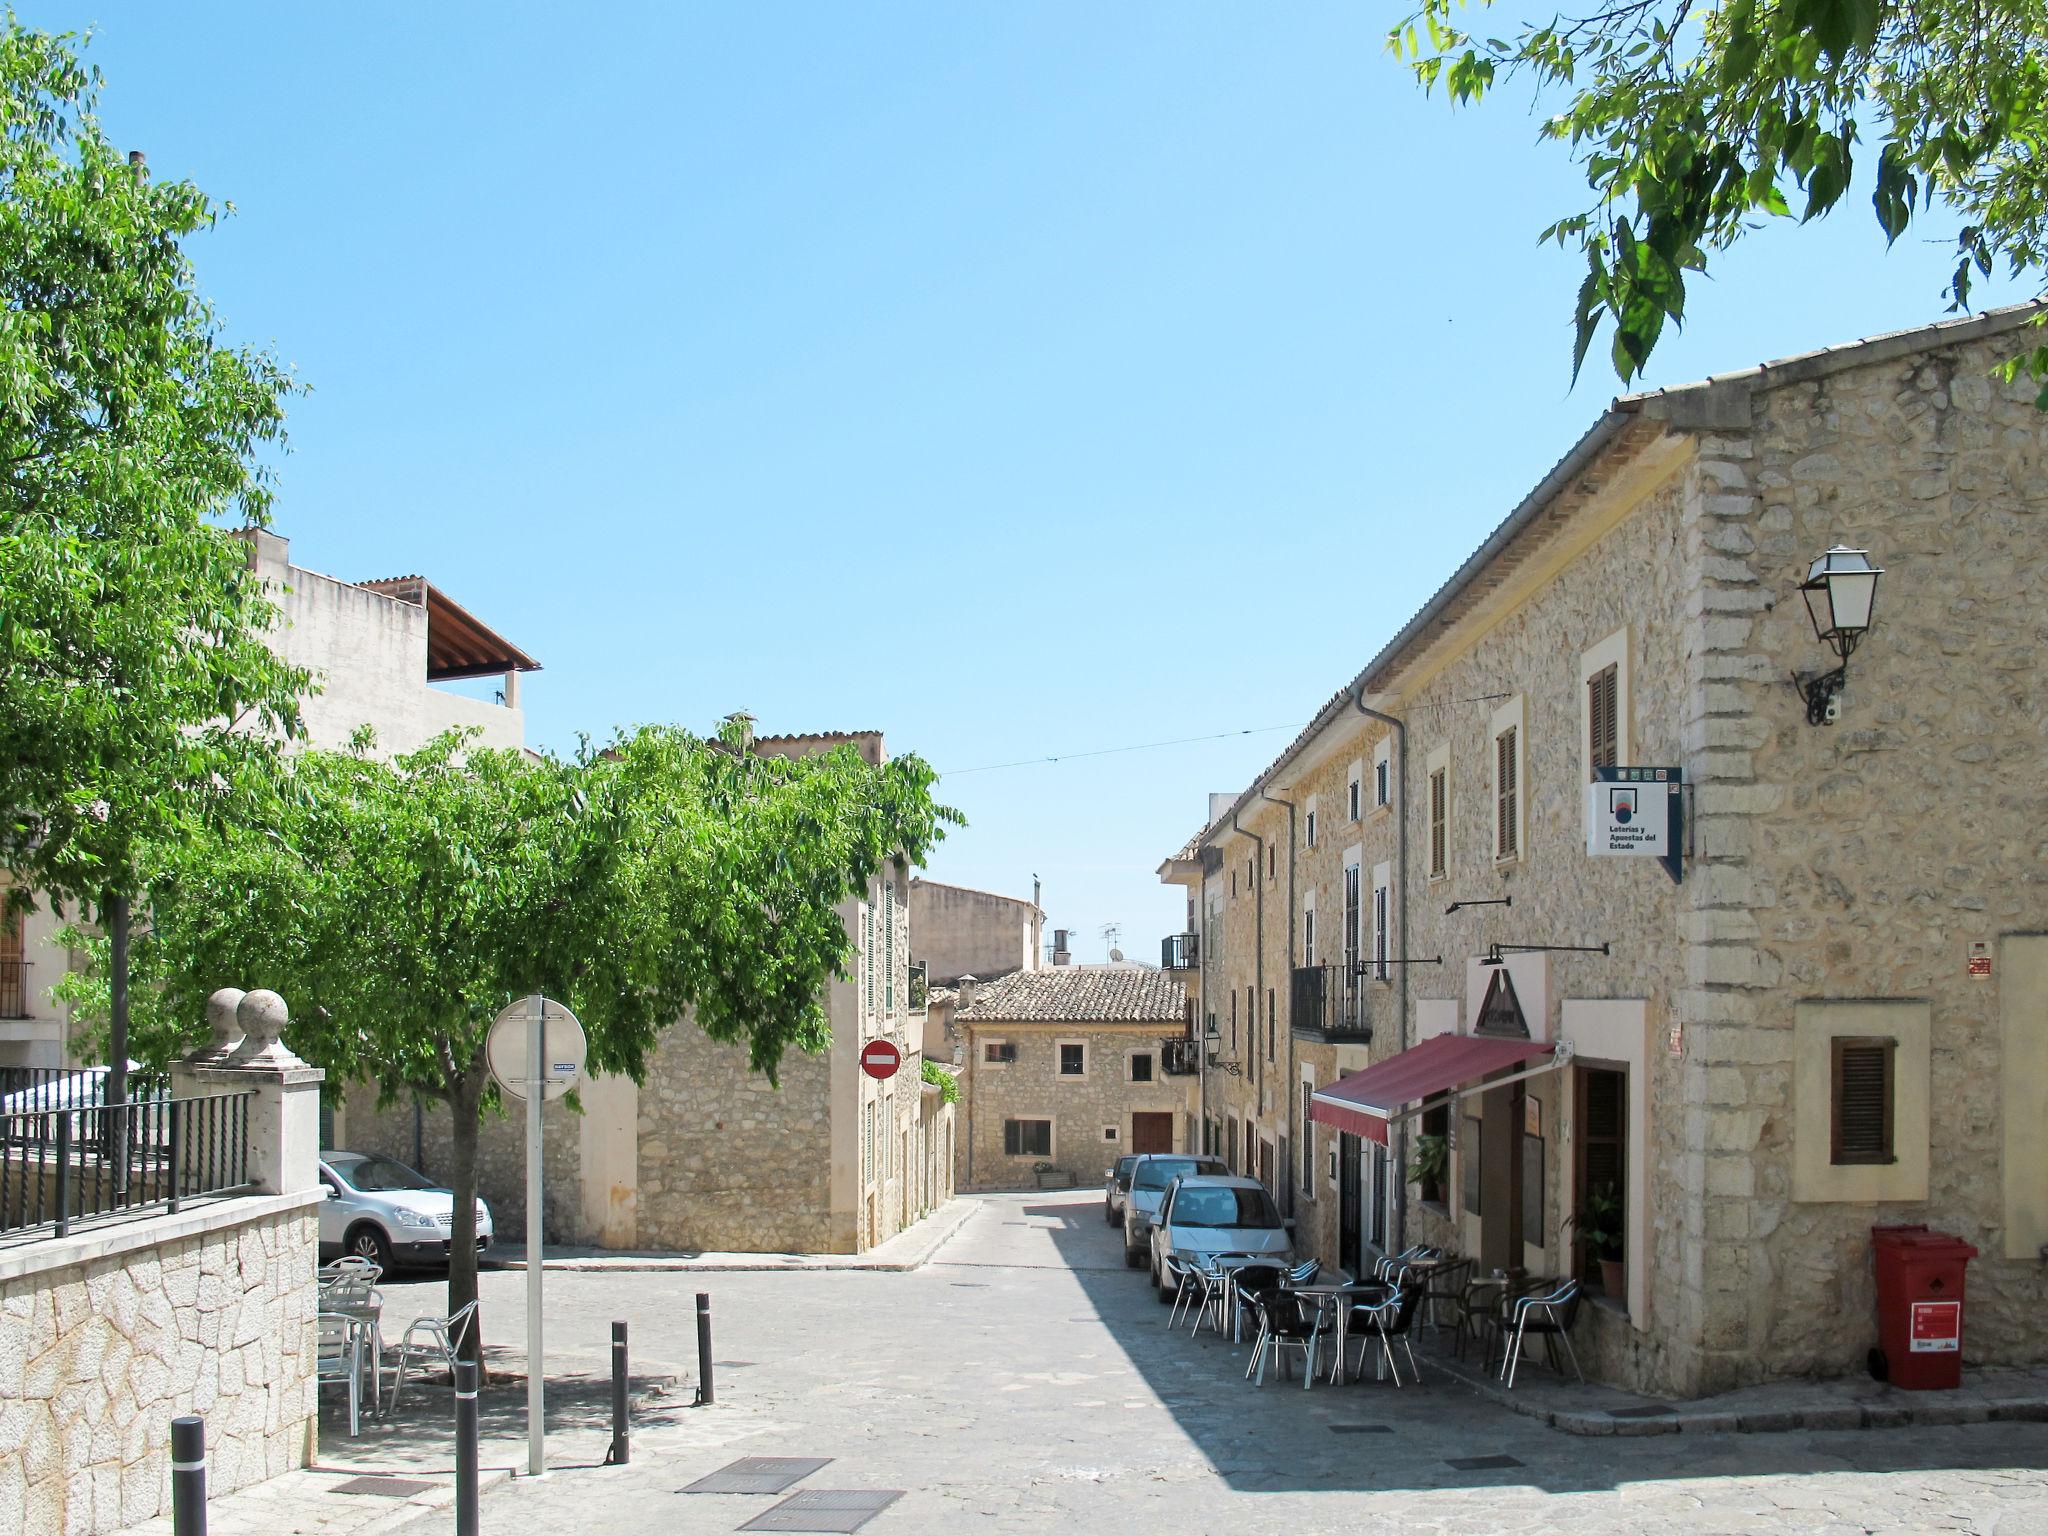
{"points": [[245, 1054]]}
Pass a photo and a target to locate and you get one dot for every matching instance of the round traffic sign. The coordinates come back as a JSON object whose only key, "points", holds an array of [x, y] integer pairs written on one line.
{"points": [[563, 1048], [878, 1058]]}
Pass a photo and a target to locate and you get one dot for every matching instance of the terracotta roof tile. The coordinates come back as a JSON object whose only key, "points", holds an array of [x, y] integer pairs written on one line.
{"points": [[1080, 994]]}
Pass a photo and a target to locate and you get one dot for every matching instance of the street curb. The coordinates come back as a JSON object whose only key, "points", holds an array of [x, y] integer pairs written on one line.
{"points": [[1947, 1409], [945, 1222]]}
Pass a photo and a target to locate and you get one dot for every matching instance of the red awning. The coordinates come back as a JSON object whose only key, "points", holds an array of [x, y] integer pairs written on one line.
{"points": [[1364, 1102]]}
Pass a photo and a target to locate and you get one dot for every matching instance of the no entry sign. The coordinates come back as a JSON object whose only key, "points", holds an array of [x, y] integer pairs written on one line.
{"points": [[878, 1058]]}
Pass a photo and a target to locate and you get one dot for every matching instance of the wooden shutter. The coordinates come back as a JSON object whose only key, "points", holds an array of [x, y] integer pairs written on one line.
{"points": [[1603, 718], [1860, 1129], [1439, 815], [1506, 828]]}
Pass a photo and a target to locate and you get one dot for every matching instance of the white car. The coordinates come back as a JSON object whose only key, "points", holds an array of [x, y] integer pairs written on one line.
{"points": [[379, 1209], [1208, 1213]]}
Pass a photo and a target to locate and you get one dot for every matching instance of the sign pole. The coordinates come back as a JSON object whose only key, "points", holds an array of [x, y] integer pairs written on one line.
{"points": [[536, 1390]]}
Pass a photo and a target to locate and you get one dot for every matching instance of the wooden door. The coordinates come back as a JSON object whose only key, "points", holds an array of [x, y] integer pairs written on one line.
{"points": [[1348, 1200], [1152, 1130]]}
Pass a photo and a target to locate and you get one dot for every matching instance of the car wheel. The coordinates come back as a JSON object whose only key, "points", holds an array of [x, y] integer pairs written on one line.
{"points": [[368, 1242], [1162, 1287], [1109, 1213], [1133, 1257]]}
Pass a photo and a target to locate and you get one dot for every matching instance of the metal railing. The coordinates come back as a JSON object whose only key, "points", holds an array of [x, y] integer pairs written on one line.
{"points": [[920, 985], [1179, 1056], [25, 1089], [14, 989], [1179, 952], [1327, 1002], [62, 1165]]}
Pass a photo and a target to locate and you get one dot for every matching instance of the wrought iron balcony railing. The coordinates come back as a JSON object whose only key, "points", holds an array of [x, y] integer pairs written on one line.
{"points": [[1327, 1003], [1179, 952], [1179, 1056]]}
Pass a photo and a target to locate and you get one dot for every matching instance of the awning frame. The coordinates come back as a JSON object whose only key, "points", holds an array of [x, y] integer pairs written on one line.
{"points": [[1561, 1054]]}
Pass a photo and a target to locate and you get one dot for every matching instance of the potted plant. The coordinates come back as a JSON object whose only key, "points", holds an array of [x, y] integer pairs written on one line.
{"points": [[1600, 1225], [1427, 1163]]}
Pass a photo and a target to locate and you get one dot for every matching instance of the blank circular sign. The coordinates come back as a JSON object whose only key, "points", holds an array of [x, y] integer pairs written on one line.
{"points": [[562, 1054]]}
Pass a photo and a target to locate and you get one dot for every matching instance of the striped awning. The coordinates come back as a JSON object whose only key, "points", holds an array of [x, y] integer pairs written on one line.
{"points": [[1363, 1102]]}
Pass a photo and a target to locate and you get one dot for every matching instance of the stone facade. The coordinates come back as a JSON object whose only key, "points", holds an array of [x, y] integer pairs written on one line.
{"points": [[210, 1312], [963, 932], [1830, 870]]}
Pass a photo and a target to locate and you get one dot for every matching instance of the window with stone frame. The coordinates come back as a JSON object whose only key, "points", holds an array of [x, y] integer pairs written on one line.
{"points": [[1073, 1059], [1141, 1066], [1379, 931], [1027, 1138], [1603, 718], [1860, 1100], [1354, 795], [1272, 1023], [999, 1053]]}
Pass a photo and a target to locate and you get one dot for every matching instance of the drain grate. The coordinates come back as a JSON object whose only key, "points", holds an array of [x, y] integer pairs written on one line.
{"points": [[758, 1474], [1481, 1463], [825, 1509], [383, 1487], [1361, 1429], [1652, 1411]]}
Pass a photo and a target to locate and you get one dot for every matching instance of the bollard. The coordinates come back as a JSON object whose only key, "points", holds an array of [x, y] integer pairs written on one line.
{"points": [[703, 1349], [621, 1451], [465, 1448], [188, 1476]]}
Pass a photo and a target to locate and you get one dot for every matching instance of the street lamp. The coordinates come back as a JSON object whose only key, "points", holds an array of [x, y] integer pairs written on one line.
{"points": [[1840, 591]]}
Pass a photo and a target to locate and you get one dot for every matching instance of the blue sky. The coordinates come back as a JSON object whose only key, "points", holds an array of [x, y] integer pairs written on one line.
{"points": [[1019, 379]]}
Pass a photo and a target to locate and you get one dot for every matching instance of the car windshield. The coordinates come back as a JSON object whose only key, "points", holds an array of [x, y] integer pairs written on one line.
{"points": [[1158, 1172], [1211, 1207], [376, 1175]]}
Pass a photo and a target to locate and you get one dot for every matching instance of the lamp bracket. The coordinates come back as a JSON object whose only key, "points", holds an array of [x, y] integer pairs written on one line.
{"points": [[1822, 692]]}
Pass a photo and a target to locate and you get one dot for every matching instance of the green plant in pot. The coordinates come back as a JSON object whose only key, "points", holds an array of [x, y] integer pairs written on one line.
{"points": [[1427, 1165], [1600, 1223]]}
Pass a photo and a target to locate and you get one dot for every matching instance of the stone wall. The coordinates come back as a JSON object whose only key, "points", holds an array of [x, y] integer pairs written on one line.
{"points": [[207, 1312], [961, 932], [1080, 1109]]}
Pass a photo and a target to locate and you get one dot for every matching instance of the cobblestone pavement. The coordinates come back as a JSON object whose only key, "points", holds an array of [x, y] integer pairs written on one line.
{"points": [[1024, 1381]]}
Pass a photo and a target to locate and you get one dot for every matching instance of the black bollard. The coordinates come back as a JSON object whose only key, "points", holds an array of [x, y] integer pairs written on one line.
{"points": [[188, 1476], [703, 1349], [465, 1448], [620, 1452]]}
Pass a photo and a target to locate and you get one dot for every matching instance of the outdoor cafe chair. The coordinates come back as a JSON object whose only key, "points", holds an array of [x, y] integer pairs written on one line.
{"points": [[1285, 1323], [1550, 1316], [439, 1338], [1388, 1319], [1444, 1282], [1240, 1281], [340, 1345], [1186, 1275], [1305, 1272]]}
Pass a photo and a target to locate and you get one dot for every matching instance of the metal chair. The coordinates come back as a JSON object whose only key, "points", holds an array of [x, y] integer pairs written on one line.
{"points": [[1284, 1323], [338, 1357], [1186, 1275], [1391, 1319], [441, 1338], [1444, 1282], [1549, 1315]]}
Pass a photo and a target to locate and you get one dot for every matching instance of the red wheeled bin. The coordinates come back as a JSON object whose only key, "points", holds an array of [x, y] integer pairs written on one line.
{"points": [[1919, 1306]]}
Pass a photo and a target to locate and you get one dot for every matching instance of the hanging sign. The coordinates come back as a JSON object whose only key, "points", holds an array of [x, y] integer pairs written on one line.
{"points": [[1637, 813]]}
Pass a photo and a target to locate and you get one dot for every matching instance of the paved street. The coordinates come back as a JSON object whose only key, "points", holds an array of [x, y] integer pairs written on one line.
{"points": [[1023, 1381]]}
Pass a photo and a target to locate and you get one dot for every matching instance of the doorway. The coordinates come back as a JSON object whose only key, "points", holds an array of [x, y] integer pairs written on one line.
{"points": [[1152, 1130], [1349, 1253]]}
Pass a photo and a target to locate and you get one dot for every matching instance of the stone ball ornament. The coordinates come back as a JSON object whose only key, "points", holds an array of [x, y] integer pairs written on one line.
{"points": [[222, 1025], [262, 1016]]}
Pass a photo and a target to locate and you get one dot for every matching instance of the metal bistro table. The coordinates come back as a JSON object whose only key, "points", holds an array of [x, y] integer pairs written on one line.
{"points": [[1341, 1296], [1230, 1264]]}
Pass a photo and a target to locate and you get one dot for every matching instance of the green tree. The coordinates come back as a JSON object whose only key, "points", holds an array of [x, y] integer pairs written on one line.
{"points": [[1697, 123], [137, 698], [399, 905]]}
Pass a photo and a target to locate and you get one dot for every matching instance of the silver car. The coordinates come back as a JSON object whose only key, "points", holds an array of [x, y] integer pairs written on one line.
{"points": [[1150, 1174], [381, 1210], [1116, 1183], [1216, 1213]]}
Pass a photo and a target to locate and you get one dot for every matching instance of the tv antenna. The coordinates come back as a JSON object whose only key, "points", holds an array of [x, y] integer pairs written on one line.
{"points": [[1112, 935]]}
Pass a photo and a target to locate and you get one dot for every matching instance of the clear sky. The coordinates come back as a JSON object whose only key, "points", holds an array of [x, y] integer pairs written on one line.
{"points": [[1020, 379]]}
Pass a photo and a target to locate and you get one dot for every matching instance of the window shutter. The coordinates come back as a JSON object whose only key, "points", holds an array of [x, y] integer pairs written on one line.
{"points": [[1861, 1123], [1603, 720], [1506, 830], [1439, 815]]}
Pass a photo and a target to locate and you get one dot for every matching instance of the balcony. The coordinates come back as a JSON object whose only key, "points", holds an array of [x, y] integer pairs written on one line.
{"points": [[1326, 1003], [1179, 952], [920, 985], [1179, 1056]]}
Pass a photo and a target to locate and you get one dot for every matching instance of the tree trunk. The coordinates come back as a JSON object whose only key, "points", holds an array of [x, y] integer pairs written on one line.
{"points": [[114, 909], [465, 1106]]}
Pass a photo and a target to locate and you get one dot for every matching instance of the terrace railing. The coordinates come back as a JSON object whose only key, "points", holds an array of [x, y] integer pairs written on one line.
{"points": [[63, 1165]]}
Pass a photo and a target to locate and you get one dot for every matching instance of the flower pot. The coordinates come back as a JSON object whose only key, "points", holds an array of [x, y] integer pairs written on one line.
{"points": [[1613, 1278]]}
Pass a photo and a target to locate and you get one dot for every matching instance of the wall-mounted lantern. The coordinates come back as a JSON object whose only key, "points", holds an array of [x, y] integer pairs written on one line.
{"points": [[1840, 592]]}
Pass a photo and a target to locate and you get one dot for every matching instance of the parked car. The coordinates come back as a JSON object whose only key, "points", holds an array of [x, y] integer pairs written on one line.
{"points": [[1216, 1213], [42, 1090], [381, 1210], [1150, 1174], [1116, 1185]]}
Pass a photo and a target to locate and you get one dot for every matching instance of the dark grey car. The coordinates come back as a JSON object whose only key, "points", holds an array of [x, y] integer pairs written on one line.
{"points": [[1116, 1183], [1150, 1175]]}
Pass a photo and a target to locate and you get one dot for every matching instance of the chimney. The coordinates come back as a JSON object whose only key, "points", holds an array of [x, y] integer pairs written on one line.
{"points": [[963, 990], [1061, 955], [138, 167], [741, 730]]}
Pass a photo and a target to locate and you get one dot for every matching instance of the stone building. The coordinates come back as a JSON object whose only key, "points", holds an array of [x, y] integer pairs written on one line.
{"points": [[1071, 1066], [1432, 1013], [384, 654], [965, 932], [707, 1155]]}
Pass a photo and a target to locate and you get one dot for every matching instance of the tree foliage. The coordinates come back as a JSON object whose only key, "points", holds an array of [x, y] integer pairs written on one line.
{"points": [[137, 697], [1694, 123], [399, 905]]}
